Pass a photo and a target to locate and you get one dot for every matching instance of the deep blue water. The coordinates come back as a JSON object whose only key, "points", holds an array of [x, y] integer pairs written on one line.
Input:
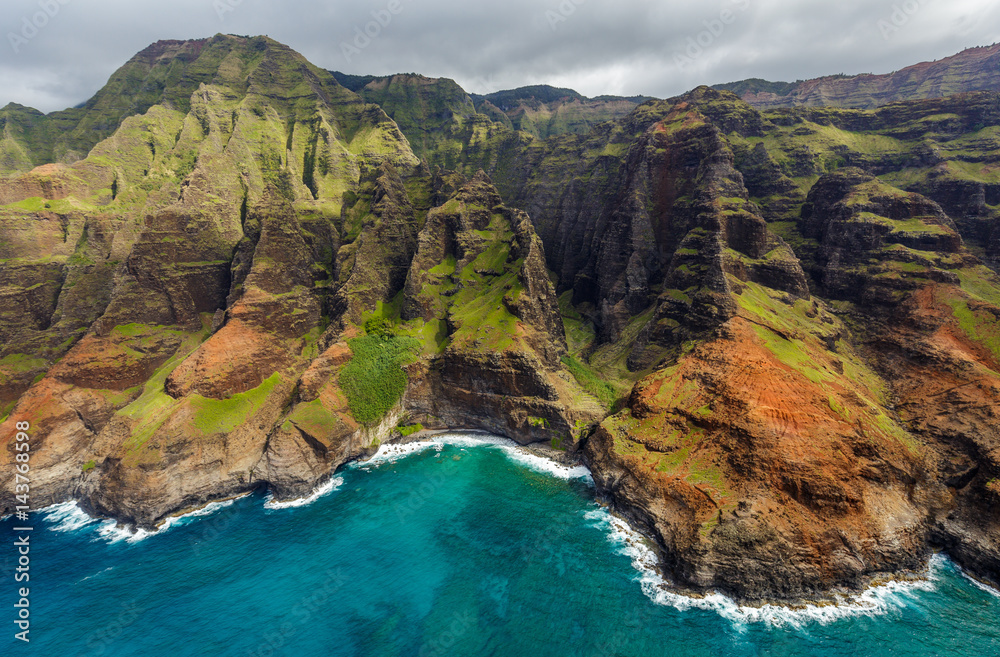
{"points": [[456, 549]]}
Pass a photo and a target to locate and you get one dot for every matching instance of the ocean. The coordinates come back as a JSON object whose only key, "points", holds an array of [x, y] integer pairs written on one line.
{"points": [[463, 545]]}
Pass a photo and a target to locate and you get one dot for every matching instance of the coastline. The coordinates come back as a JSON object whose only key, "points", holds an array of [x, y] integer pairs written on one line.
{"points": [[647, 555]]}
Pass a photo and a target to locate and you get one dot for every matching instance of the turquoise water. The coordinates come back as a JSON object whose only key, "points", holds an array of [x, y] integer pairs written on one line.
{"points": [[451, 549]]}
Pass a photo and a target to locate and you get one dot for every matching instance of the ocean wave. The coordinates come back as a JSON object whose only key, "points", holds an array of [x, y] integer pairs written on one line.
{"points": [[874, 601], [327, 488], [986, 588], [547, 466], [390, 453], [97, 574], [598, 518], [67, 517], [111, 532], [393, 452]]}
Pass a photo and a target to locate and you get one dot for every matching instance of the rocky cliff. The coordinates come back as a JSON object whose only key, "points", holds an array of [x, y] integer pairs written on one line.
{"points": [[772, 335], [185, 302]]}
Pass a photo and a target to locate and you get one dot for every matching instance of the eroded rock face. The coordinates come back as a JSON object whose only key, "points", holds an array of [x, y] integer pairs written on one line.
{"points": [[867, 229], [699, 229], [183, 275], [759, 481], [479, 273], [948, 389], [786, 455], [373, 267]]}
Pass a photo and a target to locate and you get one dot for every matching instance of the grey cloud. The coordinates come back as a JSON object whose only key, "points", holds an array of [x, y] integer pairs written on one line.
{"points": [[595, 46]]}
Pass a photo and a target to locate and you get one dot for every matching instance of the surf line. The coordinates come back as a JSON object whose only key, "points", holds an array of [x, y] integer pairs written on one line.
{"points": [[876, 600]]}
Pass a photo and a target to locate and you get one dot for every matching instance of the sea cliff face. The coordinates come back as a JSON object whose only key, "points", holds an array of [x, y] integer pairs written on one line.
{"points": [[772, 336]]}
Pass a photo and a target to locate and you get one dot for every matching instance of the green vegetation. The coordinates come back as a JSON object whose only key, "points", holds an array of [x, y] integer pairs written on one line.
{"points": [[379, 327], [610, 359], [668, 449], [135, 330], [981, 324], [315, 419], [580, 333], [151, 409], [791, 335], [758, 85], [89, 465], [119, 398], [212, 416], [606, 393], [559, 442], [6, 409], [981, 282], [20, 364], [374, 380], [410, 429], [607, 380]]}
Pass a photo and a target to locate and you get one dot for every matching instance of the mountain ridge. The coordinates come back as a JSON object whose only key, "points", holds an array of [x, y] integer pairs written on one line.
{"points": [[970, 70]]}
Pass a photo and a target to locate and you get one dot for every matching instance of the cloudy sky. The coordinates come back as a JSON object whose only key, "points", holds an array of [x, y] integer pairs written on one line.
{"points": [[57, 53]]}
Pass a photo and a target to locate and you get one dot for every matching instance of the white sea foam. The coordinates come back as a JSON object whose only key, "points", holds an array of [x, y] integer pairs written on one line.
{"points": [[327, 488], [599, 519], [390, 453], [979, 585], [112, 532], [513, 451], [546, 465], [67, 517], [208, 509], [97, 574], [874, 601]]}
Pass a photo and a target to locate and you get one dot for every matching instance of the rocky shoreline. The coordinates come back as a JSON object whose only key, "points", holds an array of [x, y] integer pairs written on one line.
{"points": [[835, 596], [640, 537]]}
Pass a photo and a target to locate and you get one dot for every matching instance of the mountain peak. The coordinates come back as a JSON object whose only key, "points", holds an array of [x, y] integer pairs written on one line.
{"points": [[168, 72], [169, 48]]}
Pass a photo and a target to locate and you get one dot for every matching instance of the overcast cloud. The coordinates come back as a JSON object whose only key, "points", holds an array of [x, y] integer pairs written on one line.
{"points": [[594, 46]]}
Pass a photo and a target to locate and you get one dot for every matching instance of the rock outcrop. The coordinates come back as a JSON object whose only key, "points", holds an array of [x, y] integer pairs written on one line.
{"points": [[479, 277]]}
